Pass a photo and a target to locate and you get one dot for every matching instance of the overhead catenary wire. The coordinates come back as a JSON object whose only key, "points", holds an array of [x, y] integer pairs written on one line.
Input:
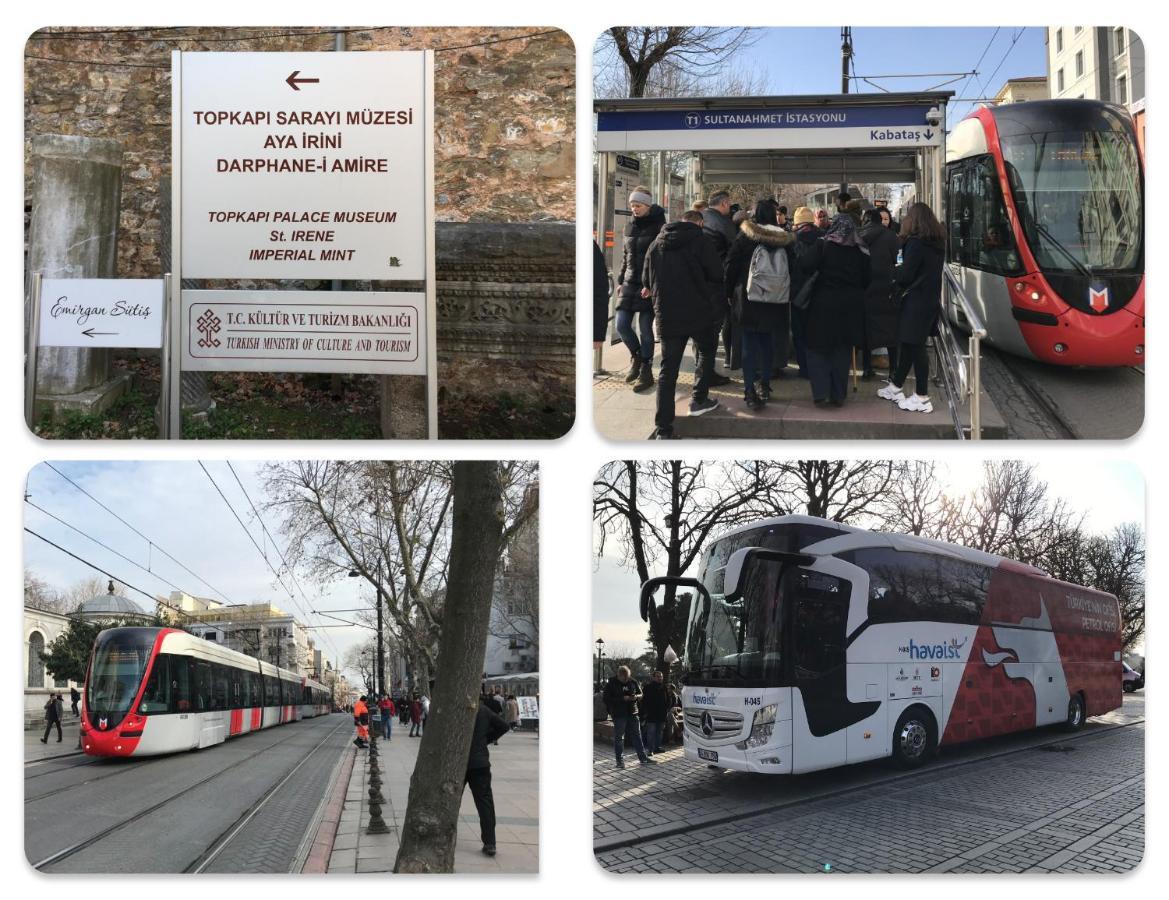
{"points": [[150, 541]]}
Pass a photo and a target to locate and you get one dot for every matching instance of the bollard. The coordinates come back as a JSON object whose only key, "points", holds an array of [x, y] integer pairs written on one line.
{"points": [[377, 825], [375, 795]]}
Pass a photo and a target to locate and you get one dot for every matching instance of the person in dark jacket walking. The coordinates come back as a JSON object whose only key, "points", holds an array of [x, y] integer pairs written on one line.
{"points": [[53, 710], [654, 707], [489, 728], [758, 321], [919, 277], [835, 314], [807, 233], [684, 279], [648, 219], [880, 311], [621, 696], [75, 697], [718, 225], [601, 288]]}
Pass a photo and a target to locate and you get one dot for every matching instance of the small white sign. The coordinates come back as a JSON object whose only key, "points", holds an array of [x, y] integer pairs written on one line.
{"points": [[303, 165], [378, 333], [102, 312], [529, 707]]}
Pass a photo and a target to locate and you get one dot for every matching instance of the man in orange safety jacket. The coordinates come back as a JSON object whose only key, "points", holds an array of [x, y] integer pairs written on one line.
{"points": [[361, 720]]}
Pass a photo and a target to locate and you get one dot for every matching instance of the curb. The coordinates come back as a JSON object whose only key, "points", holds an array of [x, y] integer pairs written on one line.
{"points": [[317, 861]]}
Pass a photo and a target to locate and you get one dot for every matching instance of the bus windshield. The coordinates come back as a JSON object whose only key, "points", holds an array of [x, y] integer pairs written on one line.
{"points": [[741, 642], [1078, 194], [120, 656]]}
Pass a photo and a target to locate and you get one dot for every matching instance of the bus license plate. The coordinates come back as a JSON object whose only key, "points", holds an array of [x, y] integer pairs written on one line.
{"points": [[711, 755]]}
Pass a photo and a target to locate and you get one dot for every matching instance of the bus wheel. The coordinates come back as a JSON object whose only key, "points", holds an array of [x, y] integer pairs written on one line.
{"points": [[913, 738], [1075, 719]]}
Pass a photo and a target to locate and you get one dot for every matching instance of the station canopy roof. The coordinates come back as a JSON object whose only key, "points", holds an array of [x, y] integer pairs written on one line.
{"points": [[805, 138]]}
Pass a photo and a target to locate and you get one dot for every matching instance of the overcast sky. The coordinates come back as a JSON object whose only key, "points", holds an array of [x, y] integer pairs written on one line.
{"points": [[1107, 493], [176, 506]]}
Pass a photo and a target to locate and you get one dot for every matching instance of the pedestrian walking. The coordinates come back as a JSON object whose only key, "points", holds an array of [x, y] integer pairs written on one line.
{"points": [[415, 717], [75, 696], [511, 712], [683, 277], [654, 707], [361, 721], [497, 700], [425, 703], [758, 279], [919, 278], [602, 287], [880, 311], [621, 696], [54, 709], [648, 219], [386, 705], [489, 728], [835, 312]]}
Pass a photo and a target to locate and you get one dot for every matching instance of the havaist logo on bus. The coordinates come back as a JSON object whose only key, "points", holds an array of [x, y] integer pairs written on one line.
{"points": [[950, 650], [705, 699]]}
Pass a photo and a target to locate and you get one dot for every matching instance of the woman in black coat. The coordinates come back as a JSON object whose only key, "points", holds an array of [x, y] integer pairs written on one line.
{"points": [[835, 313], [648, 219], [880, 311], [919, 278], [757, 321]]}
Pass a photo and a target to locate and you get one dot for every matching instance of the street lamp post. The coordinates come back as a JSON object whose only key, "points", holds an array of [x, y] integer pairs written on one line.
{"points": [[381, 657], [600, 656]]}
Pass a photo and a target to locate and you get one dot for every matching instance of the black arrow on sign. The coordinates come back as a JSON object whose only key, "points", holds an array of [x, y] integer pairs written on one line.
{"points": [[293, 81], [929, 135], [90, 333]]}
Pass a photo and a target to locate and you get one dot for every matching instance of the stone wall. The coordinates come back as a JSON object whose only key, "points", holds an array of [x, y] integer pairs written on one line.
{"points": [[504, 109]]}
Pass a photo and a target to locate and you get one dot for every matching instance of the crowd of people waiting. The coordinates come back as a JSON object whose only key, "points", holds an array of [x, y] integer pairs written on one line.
{"points": [[822, 289]]}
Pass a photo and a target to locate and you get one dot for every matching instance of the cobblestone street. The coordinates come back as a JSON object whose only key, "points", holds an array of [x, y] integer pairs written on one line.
{"points": [[1039, 802]]}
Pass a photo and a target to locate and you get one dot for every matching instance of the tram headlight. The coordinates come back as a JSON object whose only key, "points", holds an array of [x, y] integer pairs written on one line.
{"points": [[762, 726]]}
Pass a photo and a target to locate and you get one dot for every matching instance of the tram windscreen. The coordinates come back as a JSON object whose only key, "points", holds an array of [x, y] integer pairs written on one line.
{"points": [[1078, 194], [120, 656]]}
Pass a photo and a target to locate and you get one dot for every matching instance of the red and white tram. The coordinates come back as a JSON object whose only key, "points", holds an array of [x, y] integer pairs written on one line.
{"points": [[1045, 213], [160, 690]]}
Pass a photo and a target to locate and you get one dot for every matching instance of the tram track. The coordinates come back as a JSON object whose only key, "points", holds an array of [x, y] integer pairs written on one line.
{"points": [[1055, 424], [120, 770], [633, 840], [65, 853]]}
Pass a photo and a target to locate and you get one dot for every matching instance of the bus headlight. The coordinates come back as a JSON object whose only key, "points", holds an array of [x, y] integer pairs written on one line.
{"points": [[761, 727]]}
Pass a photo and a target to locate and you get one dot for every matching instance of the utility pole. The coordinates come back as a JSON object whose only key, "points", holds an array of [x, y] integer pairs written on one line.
{"points": [[845, 59]]}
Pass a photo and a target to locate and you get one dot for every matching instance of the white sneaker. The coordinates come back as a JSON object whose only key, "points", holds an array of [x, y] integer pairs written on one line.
{"points": [[891, 392], [916, 403]]}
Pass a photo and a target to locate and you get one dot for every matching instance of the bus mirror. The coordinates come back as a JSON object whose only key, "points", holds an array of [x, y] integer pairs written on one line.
{"points": [[650, 586], [743, 561]]}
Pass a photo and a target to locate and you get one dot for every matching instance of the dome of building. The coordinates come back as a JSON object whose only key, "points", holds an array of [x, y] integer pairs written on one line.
{"points": [[110, 604]]}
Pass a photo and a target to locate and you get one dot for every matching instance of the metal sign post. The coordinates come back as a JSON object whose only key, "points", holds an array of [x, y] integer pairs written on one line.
{"points": [[174, 405], [431, 275], [164, 361], [31, 354]]}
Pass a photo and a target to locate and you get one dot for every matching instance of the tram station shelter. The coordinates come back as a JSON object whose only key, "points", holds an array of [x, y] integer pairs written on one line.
{"points": [[841, 138]]}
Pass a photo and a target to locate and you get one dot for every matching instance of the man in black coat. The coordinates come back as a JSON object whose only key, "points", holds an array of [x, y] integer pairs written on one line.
{"points": [[621, 696], [601, 288], [634, 319], [654, 706], [53, 711], [489, 728], [718, 225], [683, 278]]}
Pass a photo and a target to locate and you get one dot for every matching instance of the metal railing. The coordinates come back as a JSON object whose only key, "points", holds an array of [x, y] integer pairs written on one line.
{"points": [[960, 369]]}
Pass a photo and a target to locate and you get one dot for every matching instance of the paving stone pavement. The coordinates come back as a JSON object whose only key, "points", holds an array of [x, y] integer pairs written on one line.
{"points": [[515, 786], [1076, 806]]}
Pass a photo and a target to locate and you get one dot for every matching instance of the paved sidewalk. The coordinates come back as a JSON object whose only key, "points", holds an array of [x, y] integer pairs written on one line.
{"points": [[515, 784], [34, 750]]}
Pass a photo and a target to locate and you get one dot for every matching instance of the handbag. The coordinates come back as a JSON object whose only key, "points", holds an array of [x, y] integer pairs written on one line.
{"points": [[804, 297]]}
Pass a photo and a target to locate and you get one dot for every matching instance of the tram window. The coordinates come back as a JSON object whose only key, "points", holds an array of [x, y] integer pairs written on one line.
{"points": [[255, 690], [957, 207], [992, 246], [156, 695], [271, 691], [180, 683], [237, 682], [219, 688], [925, 587], [201, 688]]}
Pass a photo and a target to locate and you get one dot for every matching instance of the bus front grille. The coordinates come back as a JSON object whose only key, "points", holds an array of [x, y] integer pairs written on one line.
{"points": [[721, 724]]}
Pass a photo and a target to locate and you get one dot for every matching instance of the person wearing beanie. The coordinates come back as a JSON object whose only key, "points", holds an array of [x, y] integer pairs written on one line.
{"points": [[759, 320], [807, 232], [633, 303]]}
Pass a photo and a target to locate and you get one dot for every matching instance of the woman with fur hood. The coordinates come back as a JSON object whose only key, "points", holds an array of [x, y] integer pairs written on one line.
{"points": [[757, 321], [835, 313]]}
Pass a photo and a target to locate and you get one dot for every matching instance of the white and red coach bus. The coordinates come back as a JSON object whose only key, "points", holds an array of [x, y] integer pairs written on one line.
{"points": [[160, 690], [812, 644]]}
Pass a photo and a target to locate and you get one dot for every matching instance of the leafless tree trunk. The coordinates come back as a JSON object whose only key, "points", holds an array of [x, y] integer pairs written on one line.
{"points": [[629, 60], [436, 787]]}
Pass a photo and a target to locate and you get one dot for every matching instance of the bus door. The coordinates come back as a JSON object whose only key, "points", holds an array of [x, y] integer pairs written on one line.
{"points": [[824, 599]]}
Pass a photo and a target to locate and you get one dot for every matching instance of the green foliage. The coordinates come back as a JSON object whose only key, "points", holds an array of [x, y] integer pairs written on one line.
{"points": [[265, 420], [130, 416]]}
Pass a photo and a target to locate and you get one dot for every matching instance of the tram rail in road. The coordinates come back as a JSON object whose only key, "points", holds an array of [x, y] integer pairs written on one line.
{"points": [[222, 838], [632, 839]]}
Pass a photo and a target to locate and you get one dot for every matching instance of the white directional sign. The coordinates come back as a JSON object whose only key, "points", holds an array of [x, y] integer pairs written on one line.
{"points": [[101, 312], [382, 333], [302, 165]]}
